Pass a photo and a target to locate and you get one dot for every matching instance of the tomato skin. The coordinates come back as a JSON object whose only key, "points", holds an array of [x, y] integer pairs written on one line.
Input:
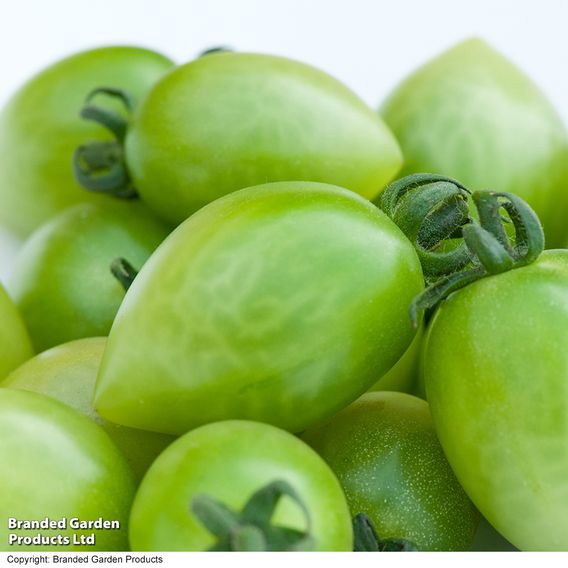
{"points": [[472, 115], [233, 120], [496, 373], [68, 373], [404, 375], [59, 464], [229, 461], [385, 453], [40, 128], [62, 282], [261, 307], [15, 344]]}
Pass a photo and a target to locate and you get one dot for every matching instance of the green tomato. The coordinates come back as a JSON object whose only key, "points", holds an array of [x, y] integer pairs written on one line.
{"points": [[15, 344], [385, 453], [280, 303], [40, 128], [58, 464], [68, 373], [62, 281], [496, 372], [229, 461], [232, 120], [472, 115]]}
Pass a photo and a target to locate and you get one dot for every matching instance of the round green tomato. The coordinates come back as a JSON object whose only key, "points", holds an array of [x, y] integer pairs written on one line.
{"points": [[496, 372], [229, 461], [40, 128], [68, 373], [280, 303], [15, 344], [232, 120], [58, 464], [472, 115], [385, 453], [62, 283]]}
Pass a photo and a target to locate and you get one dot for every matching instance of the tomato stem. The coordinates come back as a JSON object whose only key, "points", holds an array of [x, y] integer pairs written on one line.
{"points": [[455, 249], [99, 165], [251, 528], [124, 272], [217, 49]]}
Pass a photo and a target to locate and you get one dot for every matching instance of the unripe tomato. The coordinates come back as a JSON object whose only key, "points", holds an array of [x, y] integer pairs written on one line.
{"points": [[280, 303], [496, 372], [62, 281], [40, 128], [229, 461], [472, 115], [58, 464], [385, 452], [232, 120]]}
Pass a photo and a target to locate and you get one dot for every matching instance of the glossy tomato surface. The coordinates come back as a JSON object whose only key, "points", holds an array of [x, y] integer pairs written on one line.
{"points": [[280, 303], [385, 452], [496, 372], [15, 344], [68, 373], [57, 463], [232, 120], [62, 283], [230, 461], [472, 115], [40, 128]]}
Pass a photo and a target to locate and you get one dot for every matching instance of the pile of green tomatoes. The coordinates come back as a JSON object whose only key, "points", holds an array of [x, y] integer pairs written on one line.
{"points": [[251, 313]]}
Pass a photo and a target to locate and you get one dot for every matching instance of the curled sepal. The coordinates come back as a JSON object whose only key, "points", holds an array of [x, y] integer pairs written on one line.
{"points": [[529, 235], [99, 165], [489, 251], [124, 272], [396, 190], [251, 529], [365, 538], [492, 250], [430, 210]]}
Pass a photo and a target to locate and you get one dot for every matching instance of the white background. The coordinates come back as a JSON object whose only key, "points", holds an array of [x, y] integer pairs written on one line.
{"points": [[370, 45]]}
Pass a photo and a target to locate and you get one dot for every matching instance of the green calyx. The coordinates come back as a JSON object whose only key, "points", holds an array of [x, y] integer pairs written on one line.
{"points": [[365, 538], [454, 248], [99, 165], [251, 529]]}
